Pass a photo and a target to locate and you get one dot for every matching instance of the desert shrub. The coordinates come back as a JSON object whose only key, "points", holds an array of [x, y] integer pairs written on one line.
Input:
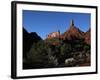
{"points": [[65, 50], [40, 55], [86, 47]]}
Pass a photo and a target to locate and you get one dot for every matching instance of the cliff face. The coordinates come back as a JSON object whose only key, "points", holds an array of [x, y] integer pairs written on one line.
{"points": [[87, 36], [53, 35], [28, 40]]}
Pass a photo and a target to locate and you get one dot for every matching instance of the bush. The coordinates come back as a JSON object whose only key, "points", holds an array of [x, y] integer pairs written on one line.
{"points": [[40, 55], [65, 50]]}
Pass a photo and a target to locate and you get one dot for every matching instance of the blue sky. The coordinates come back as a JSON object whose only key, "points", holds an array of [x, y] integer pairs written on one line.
{"points": [[45, 22]]}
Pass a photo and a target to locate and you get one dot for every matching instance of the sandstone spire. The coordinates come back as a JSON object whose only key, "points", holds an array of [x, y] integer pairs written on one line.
{"points": [[72, 23], [59, 32]]}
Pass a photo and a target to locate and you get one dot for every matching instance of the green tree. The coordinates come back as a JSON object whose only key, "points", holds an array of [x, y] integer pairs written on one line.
{"points": [[65, 49], [87, 48], [41, 55]]}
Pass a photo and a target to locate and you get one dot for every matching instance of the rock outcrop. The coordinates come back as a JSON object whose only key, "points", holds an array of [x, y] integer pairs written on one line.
{"points": [[72, 33], [87, 36], [54, 35]]}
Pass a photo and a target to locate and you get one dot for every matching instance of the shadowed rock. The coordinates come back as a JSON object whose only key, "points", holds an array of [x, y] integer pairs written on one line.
{"points": [[28, 40]]}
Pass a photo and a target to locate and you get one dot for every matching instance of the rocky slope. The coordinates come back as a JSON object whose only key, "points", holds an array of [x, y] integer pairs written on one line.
{"points": [[87, 36], [72, 33]]}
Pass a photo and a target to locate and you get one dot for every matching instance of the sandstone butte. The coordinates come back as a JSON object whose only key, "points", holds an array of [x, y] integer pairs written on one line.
{"points": [[72, 33]]}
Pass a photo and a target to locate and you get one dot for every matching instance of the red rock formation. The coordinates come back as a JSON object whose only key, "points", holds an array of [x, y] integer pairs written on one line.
{"points": [[72, 32], [87, 36], [54, 35]]}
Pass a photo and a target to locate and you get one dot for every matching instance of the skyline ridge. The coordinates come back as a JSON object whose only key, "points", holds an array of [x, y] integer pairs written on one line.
{"points": [[72, 25], [44, 22]]}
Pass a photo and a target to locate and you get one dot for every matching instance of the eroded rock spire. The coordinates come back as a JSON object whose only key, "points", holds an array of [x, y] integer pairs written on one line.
{"points": [[72, 23]]}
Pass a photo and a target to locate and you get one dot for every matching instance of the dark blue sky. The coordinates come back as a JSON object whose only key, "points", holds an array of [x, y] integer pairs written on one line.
{"points": [[44, 22]]}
